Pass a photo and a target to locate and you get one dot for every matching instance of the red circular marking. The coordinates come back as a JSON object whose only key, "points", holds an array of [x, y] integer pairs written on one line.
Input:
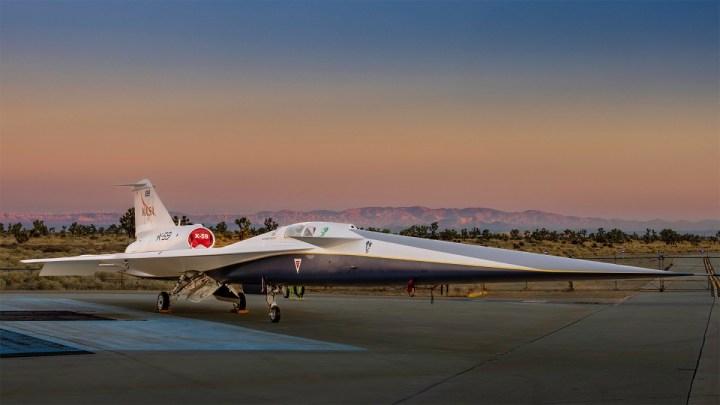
{"points": [[200, 237]]}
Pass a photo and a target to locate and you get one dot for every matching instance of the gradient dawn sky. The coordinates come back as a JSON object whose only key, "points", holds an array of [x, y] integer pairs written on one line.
{"points": [[591, 108]]}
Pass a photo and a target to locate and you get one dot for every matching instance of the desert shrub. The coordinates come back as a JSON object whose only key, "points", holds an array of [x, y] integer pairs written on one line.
{"points": [[47, 284]]}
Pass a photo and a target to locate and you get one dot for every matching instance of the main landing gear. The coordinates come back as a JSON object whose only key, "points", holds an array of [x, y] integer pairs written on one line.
{"points": [[196, 286], [240, 307], [163, 302], [239, 302]]}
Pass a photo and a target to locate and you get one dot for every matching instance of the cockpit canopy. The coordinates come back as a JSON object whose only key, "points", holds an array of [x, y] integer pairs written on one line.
{"points": [[300, 230], [313, 229]]}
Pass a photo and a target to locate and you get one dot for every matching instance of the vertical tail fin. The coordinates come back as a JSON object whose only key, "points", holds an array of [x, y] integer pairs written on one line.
{"points": [[150, 213]]}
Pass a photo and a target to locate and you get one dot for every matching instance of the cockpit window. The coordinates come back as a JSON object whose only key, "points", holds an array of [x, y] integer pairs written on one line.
{"points": [[300, 230], [295, 230]]}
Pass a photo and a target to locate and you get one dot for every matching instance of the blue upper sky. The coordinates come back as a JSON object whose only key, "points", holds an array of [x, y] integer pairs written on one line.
{"points": [[355, 36]]}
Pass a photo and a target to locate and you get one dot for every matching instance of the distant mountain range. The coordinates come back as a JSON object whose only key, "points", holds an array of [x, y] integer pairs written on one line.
{"points": [[398, 218]]}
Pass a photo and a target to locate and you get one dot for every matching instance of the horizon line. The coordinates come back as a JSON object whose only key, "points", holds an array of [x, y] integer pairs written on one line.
{"points": [[174, 212]]}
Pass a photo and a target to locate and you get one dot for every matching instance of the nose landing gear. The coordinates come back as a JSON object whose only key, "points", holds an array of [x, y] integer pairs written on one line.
{"points": [[274, 313], [270, 291]]}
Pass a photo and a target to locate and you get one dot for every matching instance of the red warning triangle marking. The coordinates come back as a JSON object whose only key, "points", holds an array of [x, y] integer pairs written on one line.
{"points": [[297, 265]]}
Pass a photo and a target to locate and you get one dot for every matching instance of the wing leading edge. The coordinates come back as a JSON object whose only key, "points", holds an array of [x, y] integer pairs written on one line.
{"points": [[161, 264]]}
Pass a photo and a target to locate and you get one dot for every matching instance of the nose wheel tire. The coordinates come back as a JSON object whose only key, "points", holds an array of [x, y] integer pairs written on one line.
{"points": [[275, 314], [163, 301]]}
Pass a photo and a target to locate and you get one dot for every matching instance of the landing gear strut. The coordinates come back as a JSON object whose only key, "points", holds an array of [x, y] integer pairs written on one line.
{"points": [[270, 291]]}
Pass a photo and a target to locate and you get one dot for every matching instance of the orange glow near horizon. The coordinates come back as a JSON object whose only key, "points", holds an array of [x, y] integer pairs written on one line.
{"points": [[634, 161]]}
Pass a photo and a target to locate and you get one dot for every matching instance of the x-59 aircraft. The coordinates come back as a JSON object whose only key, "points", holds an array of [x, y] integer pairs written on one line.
{"points": [[311, 254]]}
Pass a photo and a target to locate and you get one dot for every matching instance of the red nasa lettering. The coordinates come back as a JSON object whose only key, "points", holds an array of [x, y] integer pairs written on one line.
{"points": [[200, 237]]}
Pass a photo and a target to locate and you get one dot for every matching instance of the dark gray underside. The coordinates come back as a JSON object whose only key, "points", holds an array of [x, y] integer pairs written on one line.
{"points": [[367, 270]]}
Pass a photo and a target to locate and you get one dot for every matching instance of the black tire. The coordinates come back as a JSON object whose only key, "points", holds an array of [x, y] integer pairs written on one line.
{"points": [[286, 292], [242, 305], [274, 314], [299, 291], [163, 301]]}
